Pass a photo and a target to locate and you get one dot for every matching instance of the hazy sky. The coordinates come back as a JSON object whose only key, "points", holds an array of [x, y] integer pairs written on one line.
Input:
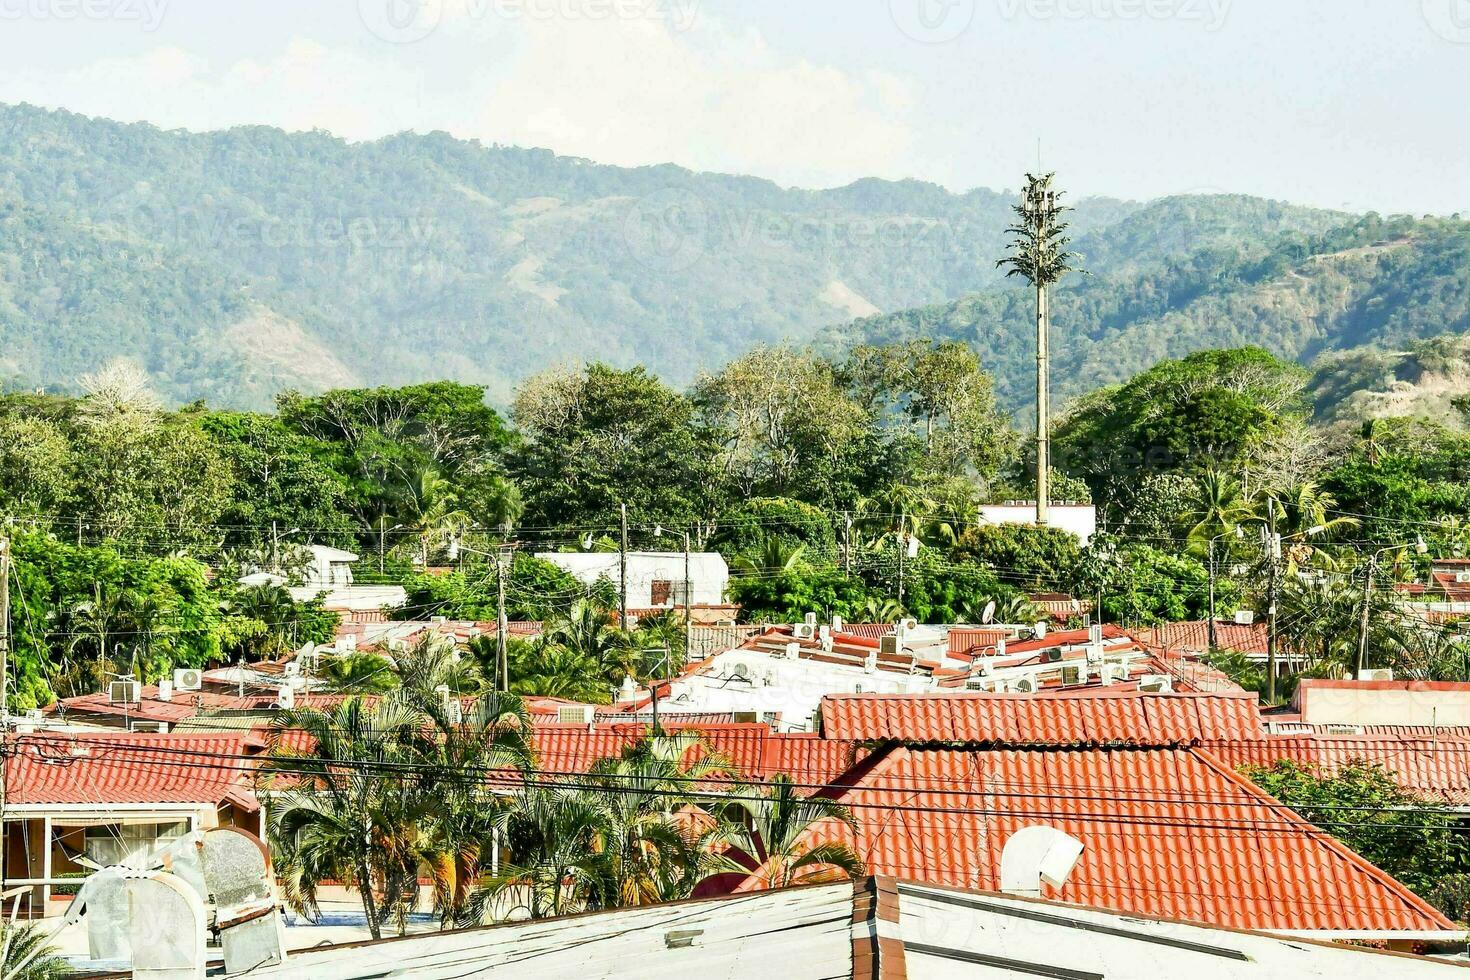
{"points": [[1340, 103]]}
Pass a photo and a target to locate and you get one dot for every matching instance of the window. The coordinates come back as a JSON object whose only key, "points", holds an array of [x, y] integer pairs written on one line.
{"points": [[662, 592], [131, 845]]}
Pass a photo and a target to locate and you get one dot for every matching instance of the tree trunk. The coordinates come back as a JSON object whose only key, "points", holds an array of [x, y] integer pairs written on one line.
{"points": [[369, 904]]}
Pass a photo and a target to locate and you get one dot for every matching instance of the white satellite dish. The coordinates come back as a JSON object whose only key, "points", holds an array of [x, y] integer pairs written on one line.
{"points": [[988, 616]]}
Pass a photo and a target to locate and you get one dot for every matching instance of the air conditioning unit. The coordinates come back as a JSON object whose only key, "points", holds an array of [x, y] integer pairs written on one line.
{"points": [[804, 631], [575, 714], [125, 691], [1377, 674], [889, 644], [792, 651], [292, 669], [1024, 685], [286, 697], [810, 619], [739, 671], [871, 663], [1244, 617], [1094, 633], [977, 684], [347, 641], [188, 679], [1039, 630], [1156, 683], [909, 624], [1462, 577]]}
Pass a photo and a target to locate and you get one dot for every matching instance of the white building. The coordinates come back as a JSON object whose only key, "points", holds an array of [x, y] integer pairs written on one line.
{"points": [[655, 578], [1079, 519]]}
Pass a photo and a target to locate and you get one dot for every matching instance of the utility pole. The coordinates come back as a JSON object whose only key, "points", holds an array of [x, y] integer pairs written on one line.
{"points": [[1214, 640], [1362, 660], [275, 549], [847, 543], [4, 688], [502, 626], [623, 570], [1043, 434], [902, 547], [4, 645], [688, 601], [1273, 553], [382, 541]]}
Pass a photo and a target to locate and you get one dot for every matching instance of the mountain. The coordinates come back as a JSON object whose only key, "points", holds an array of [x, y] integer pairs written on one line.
{"points": [[234, 264], [1373, 282], [1429, 378]]}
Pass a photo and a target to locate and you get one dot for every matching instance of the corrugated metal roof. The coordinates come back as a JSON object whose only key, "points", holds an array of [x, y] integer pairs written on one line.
{"points": [[1194, 636], [1090, 717], [1167, 832], [114, 768], [1437, 769]]}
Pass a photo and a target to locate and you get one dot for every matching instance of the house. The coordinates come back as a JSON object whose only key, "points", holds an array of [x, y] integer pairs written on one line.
{"points": [[1355, 707], [115, 798], [655, 578], [1437, 769], [782, 673], [1451, 578], [1167, 828], [1245, 635], [1078, 519], [878, 928]]}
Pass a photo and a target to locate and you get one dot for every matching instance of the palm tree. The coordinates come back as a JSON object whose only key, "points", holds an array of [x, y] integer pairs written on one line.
{"points": [[438, 515], [554, 871], [1426, 652], [1221, 507], [650, 851], [94, 623], [29, 953], [361, 672], [776, 828], [272, 607], [550, 670], [774, 555], [339, 819]]}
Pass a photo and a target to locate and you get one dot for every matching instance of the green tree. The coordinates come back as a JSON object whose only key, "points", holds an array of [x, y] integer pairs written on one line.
{"points": [[774, 827], [602, 437], [31, 953], [1410, 837]]}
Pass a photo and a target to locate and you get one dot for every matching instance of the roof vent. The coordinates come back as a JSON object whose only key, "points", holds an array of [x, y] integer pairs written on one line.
{"points": [[1037, 854], [575, 714]]}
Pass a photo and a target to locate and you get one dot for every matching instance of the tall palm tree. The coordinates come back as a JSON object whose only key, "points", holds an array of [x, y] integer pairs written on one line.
{"points": [[1220, 507], [650, 851], [94, 623], [337, 818], [554, 870], [773, 825], [773, 555]]}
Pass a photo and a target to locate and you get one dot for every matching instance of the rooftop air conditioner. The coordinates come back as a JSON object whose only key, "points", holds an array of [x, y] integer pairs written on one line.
{"points": [[871, 663], [188, 679], [888, 644], [810, 619], [1244, 617], [1462, 577], [347, 641], [804, 631], [286, 697], [575, 714], [1024, 685], [745, 717], [792, 651], [126, 691], [1377, 674], [1156, 683]]}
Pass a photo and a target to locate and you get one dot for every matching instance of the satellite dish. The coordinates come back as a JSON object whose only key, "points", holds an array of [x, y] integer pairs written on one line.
{"points": [[988, 616], [307, 650]]}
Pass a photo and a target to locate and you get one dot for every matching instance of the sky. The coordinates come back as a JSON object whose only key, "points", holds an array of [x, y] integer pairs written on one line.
{"points": [[1354, 104]]}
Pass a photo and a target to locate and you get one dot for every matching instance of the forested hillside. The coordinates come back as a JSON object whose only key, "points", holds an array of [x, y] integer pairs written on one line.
{"points": [[232, 265], [1379, 282]]}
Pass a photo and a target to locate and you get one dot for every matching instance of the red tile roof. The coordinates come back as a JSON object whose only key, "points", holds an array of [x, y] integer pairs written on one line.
{"points": [[1453, 590], [1437, 769], [1167, 832], [756, 751], [118, 768], [1095, 716], [1194, 637], [183, 704]]}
